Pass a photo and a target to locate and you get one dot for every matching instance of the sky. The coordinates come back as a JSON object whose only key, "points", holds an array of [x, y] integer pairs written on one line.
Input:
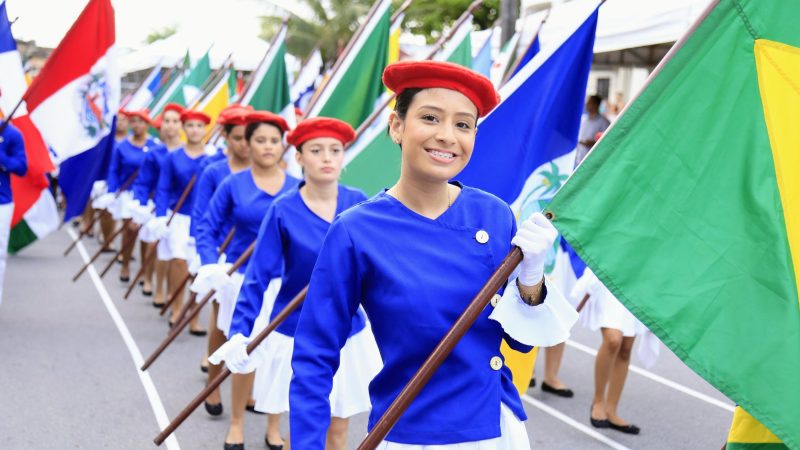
{"points": [[137, 18]]}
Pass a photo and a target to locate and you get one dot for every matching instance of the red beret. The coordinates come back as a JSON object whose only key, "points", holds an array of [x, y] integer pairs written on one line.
{"points": [[403, 75], [173, 107], [158, 121], [234, 114], [143, 114], [321, 127], [190, 114], [267, 117]]}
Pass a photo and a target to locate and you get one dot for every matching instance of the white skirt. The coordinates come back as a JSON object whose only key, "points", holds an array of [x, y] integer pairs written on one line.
{"points": [[121, 207], [180, 245], [227, 302], [513, 436], [360, 362]]}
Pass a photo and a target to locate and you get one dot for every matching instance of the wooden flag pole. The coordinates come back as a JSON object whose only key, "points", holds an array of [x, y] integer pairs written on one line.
{"points": [[217, 381], [151, 252], [189, 277], [442, 351], [184, 321], [128, 242], [10, 116], [98, 252]]}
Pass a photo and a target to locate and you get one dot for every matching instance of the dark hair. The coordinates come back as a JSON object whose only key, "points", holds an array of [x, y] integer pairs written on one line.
{"points": [[403, 101], [252, 127], [596, 99], [228, 127]]}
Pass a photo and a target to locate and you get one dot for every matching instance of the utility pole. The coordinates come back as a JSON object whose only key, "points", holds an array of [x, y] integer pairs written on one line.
{"points": [[509, 12]]}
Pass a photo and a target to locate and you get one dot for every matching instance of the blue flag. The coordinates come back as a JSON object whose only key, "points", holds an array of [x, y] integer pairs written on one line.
{"points": [[523, 146], [529, 54]]}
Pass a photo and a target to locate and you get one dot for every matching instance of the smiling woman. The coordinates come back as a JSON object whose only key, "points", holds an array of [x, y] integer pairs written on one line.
{"points": [[413, 256]]}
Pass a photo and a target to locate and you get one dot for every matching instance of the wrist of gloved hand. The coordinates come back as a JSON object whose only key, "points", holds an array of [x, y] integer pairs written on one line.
{"points": [[535, 237]]}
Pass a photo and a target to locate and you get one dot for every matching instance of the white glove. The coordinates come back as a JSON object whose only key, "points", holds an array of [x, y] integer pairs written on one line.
{"points": [[234, 353], [534, 237], [140, 214], [210, 276], [588, 283], [103, 201]]}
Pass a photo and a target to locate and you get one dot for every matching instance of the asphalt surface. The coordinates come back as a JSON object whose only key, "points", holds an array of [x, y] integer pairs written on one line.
{"points": [[70, 376]]}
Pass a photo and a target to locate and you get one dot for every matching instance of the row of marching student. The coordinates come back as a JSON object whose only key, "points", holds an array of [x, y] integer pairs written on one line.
{"points": [[386, 276]]}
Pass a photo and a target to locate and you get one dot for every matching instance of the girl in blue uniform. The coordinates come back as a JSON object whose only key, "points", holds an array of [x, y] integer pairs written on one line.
{"points": [[178, 168], [242, 200], [414, 256], [168, 124], [126, 159], [288, 244]]}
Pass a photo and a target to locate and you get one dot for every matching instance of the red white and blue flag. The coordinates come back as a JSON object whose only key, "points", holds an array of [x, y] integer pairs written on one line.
{"points": [[35, 213], [74, 100]]}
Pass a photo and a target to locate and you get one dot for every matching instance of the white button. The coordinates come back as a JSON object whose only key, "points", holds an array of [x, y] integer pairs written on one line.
{"points": [[496, 363], [482, 236], [495, 300]]}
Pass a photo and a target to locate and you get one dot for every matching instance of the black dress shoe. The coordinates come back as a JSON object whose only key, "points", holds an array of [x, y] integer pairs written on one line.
{"points": [[158, 305], [203, 368], [566, 393], [147, 293], [234, 446], [171, 324], [214, 409], [532, 384], [200, 333], [627, 429], [273, 446], [252, 409], [108, 250], [124, 279], [141, 282], [598, 423]]}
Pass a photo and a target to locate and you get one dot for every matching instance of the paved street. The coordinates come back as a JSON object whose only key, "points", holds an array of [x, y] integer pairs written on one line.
{"points": [[71, 353]]}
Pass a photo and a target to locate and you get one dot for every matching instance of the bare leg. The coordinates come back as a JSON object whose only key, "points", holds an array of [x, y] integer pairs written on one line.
{"points": [[128, 239], [86, 219], [274, 430], [215, 340], [149, 266], [241, 387], [612, 341], [337, 434], [162, 268], [106, 226], [552, 363], [619, 371], [177, 270]]}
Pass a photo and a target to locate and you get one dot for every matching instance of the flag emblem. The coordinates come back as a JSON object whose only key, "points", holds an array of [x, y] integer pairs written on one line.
{"points": [[95, 114]]}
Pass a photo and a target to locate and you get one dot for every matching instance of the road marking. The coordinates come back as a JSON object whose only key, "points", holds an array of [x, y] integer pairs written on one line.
{"points": [[659, 379], [573, 423], [133, 349]]}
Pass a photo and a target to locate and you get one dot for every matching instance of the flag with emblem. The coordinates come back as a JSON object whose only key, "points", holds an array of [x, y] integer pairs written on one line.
{"points": [[74, 100], [35, 214], [688, 208]]}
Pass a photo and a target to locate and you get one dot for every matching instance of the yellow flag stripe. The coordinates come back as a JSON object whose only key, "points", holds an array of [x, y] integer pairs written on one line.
{"points": [[778, 67], [746, 429]]}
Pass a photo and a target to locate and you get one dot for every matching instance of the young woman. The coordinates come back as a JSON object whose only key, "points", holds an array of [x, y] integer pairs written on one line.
{"points": [[619, 328], [288, 244], [178, 168], [243, 198], [126, 160], [168, 124], [414, 256]]}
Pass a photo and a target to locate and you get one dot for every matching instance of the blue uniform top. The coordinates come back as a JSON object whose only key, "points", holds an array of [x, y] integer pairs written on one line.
{"points": [[12, 160], [211, 175], [125, 159], [237, 202], [289, 241], [414, 276], [146, 183], [176, 171]]}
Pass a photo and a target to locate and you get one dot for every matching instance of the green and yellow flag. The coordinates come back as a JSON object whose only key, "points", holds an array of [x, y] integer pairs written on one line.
{"points": [[688, 209], [747, 433]]}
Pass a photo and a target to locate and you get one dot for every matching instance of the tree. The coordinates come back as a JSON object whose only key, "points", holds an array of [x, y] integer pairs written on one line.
{"points": [[430, 18], [163, 33]]}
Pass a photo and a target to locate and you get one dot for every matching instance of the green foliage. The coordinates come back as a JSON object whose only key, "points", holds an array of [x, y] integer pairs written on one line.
{"points": [[331, 29], [163, 33], [430, 18]]}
